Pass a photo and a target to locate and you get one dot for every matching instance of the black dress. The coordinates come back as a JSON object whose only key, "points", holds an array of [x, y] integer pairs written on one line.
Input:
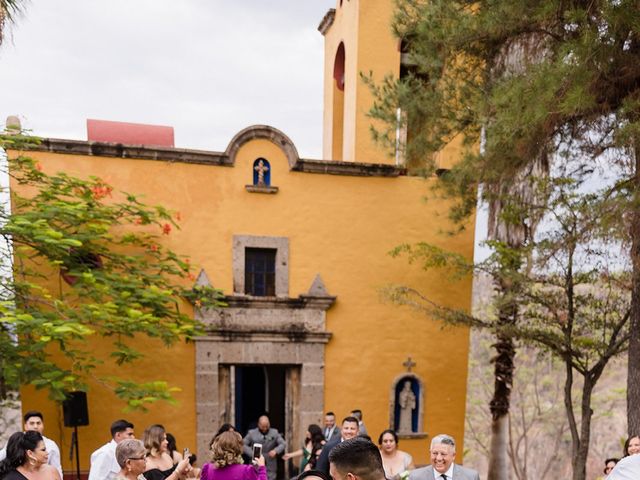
{"points": [[14, 475], [153, 474]]}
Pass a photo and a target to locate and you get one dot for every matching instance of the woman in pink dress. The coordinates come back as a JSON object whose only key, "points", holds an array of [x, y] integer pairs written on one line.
{"points": [[226, 462]]}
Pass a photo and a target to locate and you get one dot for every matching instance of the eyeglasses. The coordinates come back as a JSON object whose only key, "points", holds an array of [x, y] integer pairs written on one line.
{"points": [[137, 458]]}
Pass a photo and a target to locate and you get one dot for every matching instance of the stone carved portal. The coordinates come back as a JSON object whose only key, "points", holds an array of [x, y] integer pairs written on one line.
{"points": [[285, 338], [406, 406]]}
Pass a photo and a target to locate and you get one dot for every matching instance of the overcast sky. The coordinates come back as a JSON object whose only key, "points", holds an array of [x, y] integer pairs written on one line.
{"points": [[209, 68]]}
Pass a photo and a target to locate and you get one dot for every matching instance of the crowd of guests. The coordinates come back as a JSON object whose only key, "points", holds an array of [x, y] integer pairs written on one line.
{"points": [[29, 455], [330, 452], [335, 451]]}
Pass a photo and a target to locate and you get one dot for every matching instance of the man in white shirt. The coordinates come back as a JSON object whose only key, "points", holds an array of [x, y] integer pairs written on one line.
{"points": [[104, 465], [34, 420], [627, 468]]}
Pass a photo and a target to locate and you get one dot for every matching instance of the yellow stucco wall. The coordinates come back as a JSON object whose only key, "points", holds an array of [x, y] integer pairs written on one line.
{"points": [[365, 29], [339, 226]]}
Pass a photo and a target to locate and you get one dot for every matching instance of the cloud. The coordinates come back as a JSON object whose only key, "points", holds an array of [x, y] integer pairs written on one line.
{"points": [[207, 67]]}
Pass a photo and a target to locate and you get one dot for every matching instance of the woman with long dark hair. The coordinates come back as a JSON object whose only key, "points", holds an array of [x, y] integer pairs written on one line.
{"points": [[27, 459], [313, 442], [172, 449], [631, 446], [396, 463]]}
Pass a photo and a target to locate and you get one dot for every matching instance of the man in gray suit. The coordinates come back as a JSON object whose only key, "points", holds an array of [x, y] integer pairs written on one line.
{"points": [[443, 453], [331, 430], [272, 444]]}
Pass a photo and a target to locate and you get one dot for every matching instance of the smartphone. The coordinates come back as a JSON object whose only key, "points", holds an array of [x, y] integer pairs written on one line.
{"points": [[186, 453], [257, 450]]}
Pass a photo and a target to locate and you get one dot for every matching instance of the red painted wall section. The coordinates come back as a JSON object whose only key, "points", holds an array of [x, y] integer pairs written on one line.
{"points": [[129, 133]]}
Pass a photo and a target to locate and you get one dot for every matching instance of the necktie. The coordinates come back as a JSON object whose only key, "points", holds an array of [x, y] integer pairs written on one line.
{"points": [[443, 476]]}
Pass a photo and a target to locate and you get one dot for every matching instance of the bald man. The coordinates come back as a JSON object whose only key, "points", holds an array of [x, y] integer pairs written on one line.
{"points": [[272, 444]]}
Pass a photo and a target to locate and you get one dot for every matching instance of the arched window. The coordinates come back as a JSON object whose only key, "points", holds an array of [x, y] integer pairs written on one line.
{"points": [[338, 103], [338, 67], [261, 173]]}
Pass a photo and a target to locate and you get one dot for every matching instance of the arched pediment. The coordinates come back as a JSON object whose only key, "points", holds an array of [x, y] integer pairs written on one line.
{"points": [[264, 132]]}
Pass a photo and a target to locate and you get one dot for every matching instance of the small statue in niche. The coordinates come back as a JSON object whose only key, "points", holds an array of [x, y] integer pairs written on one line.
{"points": [[262, 177], [407, 403]]}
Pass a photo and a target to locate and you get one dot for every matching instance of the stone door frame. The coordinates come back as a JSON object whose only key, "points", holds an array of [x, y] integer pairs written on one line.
{"points": [[258, 331]]}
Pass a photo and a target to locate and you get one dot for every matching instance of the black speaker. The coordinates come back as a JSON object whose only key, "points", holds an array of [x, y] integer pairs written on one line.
{"points": [[74, 408]]}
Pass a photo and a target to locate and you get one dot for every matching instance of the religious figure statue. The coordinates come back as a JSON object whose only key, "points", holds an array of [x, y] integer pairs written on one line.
{"points": [[261, 168], [407, 403]]}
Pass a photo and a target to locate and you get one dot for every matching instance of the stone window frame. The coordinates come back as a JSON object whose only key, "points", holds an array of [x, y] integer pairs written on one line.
{"points": [[280, 244]]}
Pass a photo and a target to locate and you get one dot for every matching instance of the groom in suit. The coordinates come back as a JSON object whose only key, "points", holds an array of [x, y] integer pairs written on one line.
{"points": [[443, 453]]}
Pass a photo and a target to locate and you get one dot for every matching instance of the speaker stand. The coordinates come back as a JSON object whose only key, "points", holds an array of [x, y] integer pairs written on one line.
{"points": [[75, 445]]}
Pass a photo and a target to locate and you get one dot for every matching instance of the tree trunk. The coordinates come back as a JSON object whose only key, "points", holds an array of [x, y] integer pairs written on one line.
{"points": [[568, 406], [499, 460], [580, 454], [503, 373], [633, 368]]}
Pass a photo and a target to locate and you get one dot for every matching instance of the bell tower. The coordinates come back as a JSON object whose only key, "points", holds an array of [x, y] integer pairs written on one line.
{"points": [[357, 39]]}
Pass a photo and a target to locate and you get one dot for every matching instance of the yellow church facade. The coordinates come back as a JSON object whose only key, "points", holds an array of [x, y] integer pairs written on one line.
{"points": [[300, 249]]}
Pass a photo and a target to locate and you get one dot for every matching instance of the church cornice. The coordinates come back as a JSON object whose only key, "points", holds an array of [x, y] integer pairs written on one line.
{"points": [[303, 301], [357, 169], [278, 336], [327, 21], [220, 159], [140, 152]]}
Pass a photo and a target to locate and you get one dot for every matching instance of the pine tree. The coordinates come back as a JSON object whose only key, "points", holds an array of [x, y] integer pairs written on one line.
{"points": [[524, 84]]}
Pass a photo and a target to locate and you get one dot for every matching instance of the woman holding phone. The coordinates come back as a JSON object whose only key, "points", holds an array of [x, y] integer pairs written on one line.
{"points": [[226, 461], [159, 464]]}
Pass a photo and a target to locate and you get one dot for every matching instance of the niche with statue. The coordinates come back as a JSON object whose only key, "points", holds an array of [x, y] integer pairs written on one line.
{"points": [[406, 406]]}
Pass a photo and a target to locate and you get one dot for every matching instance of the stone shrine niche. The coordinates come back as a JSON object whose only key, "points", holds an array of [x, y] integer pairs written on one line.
{"points": [[406, 406], [261, 175]]}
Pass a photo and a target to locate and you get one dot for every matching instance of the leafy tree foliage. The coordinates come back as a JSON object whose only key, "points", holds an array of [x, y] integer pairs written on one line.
{"points": [[572, 288], [8, 9], [83, 264], [524, 86]]}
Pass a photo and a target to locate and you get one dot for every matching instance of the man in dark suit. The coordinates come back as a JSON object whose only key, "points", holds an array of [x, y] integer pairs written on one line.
{"points": [[348, 431], [357, 458], [272, 444], [331, 430], [443, 453]]}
